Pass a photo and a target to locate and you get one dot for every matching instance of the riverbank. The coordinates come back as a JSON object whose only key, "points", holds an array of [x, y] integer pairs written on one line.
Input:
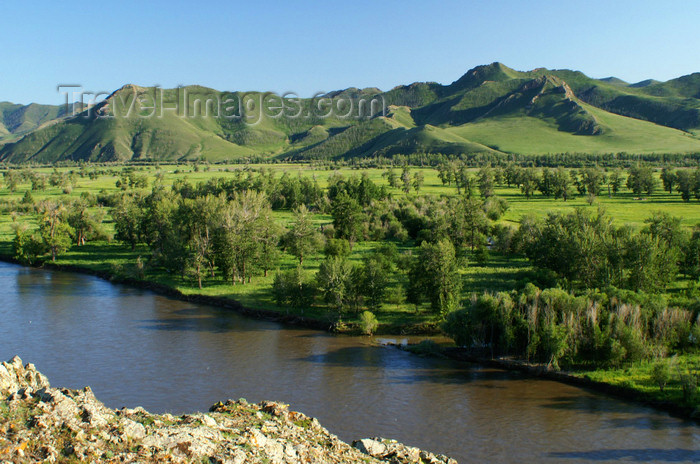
{"points": [[633, 385], [621, 386], [43, 424], [287, 316]]}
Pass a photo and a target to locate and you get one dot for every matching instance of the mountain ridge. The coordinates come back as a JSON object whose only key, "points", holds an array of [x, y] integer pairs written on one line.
{"points": [[573, 112]]}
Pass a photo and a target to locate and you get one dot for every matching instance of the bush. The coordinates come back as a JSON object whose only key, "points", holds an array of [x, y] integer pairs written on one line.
{"points": [[425, 348], [481, 255], [293, 288], [337, 247], [689, 385], [458, 326], [660, 374], [368, 323]]}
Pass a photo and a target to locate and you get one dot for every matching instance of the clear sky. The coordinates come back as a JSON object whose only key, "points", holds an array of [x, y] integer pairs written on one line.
{"points": [[308, 46]]}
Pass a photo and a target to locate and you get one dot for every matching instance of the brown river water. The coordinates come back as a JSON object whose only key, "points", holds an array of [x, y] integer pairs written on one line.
{"points": [[136, 348]]}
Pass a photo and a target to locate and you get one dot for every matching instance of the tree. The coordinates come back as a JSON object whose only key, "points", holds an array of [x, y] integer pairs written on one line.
{"points": [[510, 174], [86, 225], [465, 181], [302, 239], [486, 181], [435, 275], [12, 179], [54, 230], [668, 178], [373, 279], [547, 181], [347, 218], [652, 263], [561, 184], [691, 255], [268, 239], [686, 183], [443, 174], [391, 177], [528, 181], [475, 221], [334, 281], [28, 198], [406, 180], [198, 219], [614, 181], [592, 179], [663, 226], [237, 244], [418, 180], [293, 288], [38, 182], [27, 247], [127, 220], [641, 179], [156, 222]]}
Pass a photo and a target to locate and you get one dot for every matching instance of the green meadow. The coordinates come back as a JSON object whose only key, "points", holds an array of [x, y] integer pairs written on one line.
{"points": [[395, 316], [498, 273]]}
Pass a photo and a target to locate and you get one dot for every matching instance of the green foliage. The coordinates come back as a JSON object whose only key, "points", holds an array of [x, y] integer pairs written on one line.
{"points": [[293, 288], [334, 280], [435, 275], [368, 323], [587, 249], [347, 217], [661, 374], [337, 247], [27, 247], [487, 112], [302, 239]]}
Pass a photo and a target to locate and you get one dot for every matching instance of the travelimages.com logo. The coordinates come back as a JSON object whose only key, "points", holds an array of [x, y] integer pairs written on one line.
{"points": [[196, 102]]}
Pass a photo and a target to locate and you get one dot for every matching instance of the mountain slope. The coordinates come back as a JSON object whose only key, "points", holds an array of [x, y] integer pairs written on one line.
{"points": [[17, 120], [490, 108]]}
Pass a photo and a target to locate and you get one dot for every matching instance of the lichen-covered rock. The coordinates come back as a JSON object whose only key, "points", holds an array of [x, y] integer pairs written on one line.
{"points": [[393, 451], [43, 424], [14, 377]]}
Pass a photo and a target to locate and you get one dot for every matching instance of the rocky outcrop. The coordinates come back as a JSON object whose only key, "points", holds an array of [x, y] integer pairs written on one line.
{"points": [[43, 424]]}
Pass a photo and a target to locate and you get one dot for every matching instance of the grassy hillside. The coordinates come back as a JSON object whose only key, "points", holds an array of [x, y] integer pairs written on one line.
{"points": [[490, 108], [530, 135], [17, 120]]}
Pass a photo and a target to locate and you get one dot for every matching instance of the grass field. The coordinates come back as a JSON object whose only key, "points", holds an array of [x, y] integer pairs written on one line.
{"points": [[499, 273]]}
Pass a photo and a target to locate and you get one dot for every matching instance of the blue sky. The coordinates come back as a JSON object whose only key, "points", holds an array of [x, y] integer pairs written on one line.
{"points": [[309, 46]]}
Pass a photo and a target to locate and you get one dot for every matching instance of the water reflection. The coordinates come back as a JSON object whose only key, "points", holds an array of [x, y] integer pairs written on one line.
{"points": [[137, 348]]}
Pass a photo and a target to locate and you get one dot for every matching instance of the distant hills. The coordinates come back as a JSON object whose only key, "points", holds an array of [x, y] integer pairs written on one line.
{"points": [[490, 109], [17, 120]]}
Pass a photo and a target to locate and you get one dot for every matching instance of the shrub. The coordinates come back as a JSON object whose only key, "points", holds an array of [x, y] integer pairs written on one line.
{"points": [[689, 385], [368, 323], [425, 347], [293, 288], [458, 326], [481, 255], [337, 247], [660, 374]]}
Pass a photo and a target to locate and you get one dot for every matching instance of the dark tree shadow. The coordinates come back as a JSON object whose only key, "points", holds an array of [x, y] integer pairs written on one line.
{"points": [[633, 455]]}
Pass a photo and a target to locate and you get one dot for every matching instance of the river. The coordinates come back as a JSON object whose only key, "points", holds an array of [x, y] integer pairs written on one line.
{"points": [[136, 348]]}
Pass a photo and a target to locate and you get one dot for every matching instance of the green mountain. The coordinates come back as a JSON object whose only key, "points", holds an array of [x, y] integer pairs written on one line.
{"points": [[491, 108], [17, 120]]}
